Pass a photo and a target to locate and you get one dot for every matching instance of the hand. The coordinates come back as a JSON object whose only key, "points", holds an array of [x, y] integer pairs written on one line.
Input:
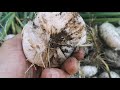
{"points": [[13, 63]]}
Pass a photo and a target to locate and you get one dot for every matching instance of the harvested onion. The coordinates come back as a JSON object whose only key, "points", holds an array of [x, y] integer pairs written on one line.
{"points": [[52, 37]]}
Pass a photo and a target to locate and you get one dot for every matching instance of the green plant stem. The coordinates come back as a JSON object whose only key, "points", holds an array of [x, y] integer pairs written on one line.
{"points": [[13, 28], [101, 20], [100, 15], [25, 15], [19, 21], [18, 28], [31, 15]]}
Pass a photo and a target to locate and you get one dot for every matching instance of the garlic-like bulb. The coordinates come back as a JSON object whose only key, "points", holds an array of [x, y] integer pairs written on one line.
{"points": [[52, 37]]}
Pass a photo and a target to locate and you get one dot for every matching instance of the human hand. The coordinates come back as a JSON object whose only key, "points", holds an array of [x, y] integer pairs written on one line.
{"points": [[13, 63]]}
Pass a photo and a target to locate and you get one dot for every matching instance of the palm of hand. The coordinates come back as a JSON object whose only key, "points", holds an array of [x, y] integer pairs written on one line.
{"points": [[13, 63]]}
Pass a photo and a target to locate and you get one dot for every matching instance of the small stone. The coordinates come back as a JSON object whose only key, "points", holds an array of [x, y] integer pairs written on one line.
{"points": [[89, 71], [112, 73]]}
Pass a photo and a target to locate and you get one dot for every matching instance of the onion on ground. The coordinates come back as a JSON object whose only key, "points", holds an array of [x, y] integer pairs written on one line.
{"points": [[110, 36]]}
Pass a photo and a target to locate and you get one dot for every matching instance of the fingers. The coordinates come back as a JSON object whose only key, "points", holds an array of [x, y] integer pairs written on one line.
{"points": [[72, 64], [32, 71], [79, 55], [13, 43], [54, 73], [70, 67]]}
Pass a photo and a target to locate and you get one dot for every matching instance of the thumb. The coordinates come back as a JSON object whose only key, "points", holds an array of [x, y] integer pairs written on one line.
{"points": [[13, 43]]}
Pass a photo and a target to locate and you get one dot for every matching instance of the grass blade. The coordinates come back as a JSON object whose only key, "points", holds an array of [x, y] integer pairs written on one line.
{"points": [[6, 17], [31, 15], [7, 25], [13, 28], [19, 21], [18, 29]]}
